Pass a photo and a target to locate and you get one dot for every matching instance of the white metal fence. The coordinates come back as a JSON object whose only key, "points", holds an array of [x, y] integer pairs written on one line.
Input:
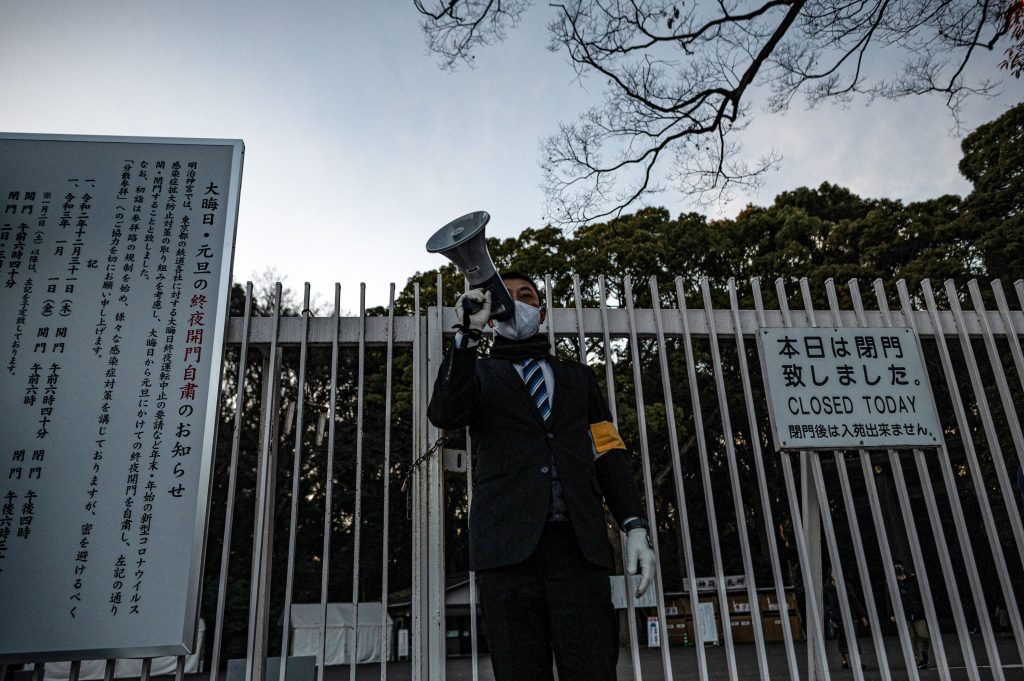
{"points": [[676, 370]]}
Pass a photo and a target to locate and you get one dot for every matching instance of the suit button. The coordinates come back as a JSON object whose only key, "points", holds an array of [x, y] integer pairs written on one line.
{"points": [[550, 436], [544, 469]]}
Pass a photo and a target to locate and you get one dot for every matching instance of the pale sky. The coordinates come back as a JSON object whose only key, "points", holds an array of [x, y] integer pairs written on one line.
{"points": [[357, 147]]}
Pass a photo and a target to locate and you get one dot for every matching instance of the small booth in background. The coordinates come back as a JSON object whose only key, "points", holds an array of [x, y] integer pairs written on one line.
{"points": [[679, 615]]}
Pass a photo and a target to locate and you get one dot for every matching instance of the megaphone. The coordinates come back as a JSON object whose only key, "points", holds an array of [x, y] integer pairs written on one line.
{"points": [[462, 241]]}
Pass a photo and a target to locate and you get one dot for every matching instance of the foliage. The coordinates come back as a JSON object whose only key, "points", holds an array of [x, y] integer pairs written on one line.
{"points": [[993, 159], [823, 233], [820, 233], [680, 79]]}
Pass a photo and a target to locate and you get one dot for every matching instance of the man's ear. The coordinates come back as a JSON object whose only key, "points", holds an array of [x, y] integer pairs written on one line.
{"points": [[543, 314]]}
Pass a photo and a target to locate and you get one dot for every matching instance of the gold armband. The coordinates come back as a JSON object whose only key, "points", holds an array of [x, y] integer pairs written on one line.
{"points": [[605, 437]]}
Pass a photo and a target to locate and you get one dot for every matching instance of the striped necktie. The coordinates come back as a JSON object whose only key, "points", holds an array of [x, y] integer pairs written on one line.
{"points": [[533, 376]]}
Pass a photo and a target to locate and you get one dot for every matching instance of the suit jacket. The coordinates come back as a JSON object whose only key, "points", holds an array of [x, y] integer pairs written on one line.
{"points": [[514, 448]]}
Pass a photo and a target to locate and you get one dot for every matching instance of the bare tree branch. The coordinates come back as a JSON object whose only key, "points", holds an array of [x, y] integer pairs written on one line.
{"points": [[680, 78], [455, 28]]}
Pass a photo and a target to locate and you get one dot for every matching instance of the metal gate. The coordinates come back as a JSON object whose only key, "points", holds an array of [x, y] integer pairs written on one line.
{"points": [[725, 504]]}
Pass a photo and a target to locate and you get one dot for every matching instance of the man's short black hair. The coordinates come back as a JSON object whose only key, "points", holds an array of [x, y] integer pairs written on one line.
{"points": [[505, 276]]}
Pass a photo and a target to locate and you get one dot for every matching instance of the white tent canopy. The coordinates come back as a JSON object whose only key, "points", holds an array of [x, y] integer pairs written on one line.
{"points": [[341, 618]]}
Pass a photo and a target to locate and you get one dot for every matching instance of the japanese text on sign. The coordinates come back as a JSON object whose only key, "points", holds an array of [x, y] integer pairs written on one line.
{"points": [[115, 258], [847, 388]]}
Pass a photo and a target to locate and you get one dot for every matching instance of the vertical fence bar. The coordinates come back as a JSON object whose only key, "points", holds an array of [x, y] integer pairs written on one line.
{"points": [[108, 670], [259, 596], [474, 652], [300, 400], [634, 641], [887, 560], [808, 491], [416, 491], [734, 480], [817, 666], [873, 620], [811, 517], [73, 673], [179, 668], [578, 298], [358, 520], [435, 508], [225, 556], [1018, 286], [831, 537], [820, 661], [865, 577], [1009, 330], [997, 368], [385, 638], [974, 465], [39, 670], [987, 420], [645, 456], [549, 303], [936, 524], [332, 409], [608, 373], [683, 517], [921, 567], [705, 476], [851, 513], [147, 665], [762, 485], [831, 543]]}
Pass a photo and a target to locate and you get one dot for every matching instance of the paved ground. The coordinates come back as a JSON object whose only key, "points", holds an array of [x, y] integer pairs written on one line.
{"points": [[684, 665]]}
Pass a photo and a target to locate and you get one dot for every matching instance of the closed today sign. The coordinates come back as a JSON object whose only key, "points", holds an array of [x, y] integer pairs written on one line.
{"points": [[847, 388]]}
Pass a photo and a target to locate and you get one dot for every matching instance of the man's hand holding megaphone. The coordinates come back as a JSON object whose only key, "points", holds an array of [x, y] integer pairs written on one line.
{"points": [[473, 309]]}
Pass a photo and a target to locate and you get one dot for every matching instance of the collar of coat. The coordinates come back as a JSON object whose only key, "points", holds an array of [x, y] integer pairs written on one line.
{"points": [[535, 347]]}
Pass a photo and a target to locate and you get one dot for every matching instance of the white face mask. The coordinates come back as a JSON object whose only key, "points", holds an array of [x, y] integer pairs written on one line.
{"points": [[525, 323]]}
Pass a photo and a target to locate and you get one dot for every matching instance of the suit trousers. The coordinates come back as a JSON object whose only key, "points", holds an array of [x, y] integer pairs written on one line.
{"points": [[920, 639], [553, 602], [844, 647]]}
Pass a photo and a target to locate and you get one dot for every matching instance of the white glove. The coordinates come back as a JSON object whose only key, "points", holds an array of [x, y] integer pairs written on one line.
{"points": [[638, 550], [478, 319]]}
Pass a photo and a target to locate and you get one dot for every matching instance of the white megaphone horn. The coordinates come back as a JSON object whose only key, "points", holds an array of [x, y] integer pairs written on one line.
{"points": [[462, 241]]}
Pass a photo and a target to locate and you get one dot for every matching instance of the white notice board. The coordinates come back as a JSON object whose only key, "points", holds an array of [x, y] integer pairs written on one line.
{"points": [[847, 388], [707, 627], [115, 264]]}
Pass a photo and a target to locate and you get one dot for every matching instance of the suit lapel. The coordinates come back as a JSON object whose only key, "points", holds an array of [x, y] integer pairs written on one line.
{"points": [[563, 385], [510, 376]]}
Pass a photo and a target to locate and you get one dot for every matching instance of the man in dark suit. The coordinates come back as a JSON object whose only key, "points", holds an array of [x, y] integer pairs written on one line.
{"points": [[547, 456], [832, 612], [913, 610]]}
